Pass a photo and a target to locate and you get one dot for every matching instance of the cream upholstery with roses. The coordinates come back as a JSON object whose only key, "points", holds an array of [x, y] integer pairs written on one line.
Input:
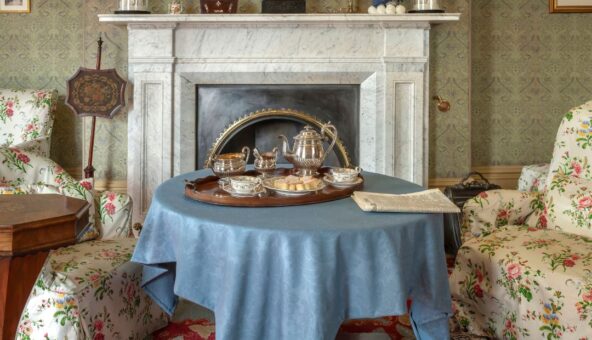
{"points": [[28, 173], [26, 119], [89, 290], [533, 177], [524, 270]]}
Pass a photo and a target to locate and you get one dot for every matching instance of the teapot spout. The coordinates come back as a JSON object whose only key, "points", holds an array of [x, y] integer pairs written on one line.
{"points": [[285, 147]]}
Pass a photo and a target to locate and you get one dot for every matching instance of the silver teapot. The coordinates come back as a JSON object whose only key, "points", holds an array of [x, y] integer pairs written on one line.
{"points": [[307, 153]]}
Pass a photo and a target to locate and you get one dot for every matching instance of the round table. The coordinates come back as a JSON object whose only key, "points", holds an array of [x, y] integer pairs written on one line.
{"points": [[295, 272]]}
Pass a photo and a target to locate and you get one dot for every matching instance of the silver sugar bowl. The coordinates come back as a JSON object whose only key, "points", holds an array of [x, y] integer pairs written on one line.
{"points": [[229, 164]]}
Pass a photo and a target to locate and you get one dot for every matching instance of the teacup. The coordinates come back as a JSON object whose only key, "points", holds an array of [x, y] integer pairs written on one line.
{"points": [[345, 174], [244, 184]]}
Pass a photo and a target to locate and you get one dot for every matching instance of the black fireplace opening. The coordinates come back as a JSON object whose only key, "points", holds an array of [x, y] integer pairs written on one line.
{"points": [[218, 106]]}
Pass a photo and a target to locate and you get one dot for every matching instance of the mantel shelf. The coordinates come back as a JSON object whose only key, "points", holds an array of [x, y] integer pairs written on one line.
{"points": [[405, 19]]}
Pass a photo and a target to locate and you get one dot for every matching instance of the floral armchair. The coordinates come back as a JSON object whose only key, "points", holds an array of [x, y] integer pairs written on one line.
{"points": [[524, 270], [89, 290]]}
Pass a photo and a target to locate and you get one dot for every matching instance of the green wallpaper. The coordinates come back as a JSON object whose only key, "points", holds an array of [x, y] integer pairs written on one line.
{"points": [[528, 68], [111, 135], [41, 50], [450, 139]]}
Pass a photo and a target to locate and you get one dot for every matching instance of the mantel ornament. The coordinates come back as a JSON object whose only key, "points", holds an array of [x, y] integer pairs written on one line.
{"points": [[133, 7]]}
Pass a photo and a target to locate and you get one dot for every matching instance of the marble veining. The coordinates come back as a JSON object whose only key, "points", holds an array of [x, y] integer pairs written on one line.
{"points": [[170, 55]]}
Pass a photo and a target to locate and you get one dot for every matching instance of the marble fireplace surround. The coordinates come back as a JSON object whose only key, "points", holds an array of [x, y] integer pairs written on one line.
{"points": [[170, 55]]}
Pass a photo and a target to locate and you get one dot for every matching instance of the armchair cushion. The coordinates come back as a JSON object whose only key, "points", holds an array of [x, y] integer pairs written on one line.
{"points": [[495, 209], [524, 283], [90, 291], [568, 205], [26, 119]]}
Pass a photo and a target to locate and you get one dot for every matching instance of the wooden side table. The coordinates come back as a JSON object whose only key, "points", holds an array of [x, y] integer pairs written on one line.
{"points": [[31, 225]]}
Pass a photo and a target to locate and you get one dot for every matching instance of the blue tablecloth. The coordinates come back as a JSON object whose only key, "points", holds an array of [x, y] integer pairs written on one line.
{"points": [[295, 272]]}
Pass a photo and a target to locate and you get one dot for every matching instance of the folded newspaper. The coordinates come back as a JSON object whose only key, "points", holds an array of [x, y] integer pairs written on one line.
{"points": [[427, 201]]}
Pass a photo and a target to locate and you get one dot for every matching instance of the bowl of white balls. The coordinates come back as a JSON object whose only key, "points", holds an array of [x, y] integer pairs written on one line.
{"points": [[390, 8]]}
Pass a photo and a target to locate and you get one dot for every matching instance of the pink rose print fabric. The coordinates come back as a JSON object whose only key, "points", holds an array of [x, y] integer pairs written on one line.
{"points": [[90, 291], [26, 119], [523, 271]]}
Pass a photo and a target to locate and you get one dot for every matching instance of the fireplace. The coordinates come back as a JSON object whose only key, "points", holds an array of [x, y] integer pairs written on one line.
{"points": [[219, 106], [383, 58]]}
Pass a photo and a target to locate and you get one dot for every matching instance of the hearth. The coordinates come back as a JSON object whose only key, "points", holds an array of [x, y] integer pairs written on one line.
{"points": [[218, 106]]}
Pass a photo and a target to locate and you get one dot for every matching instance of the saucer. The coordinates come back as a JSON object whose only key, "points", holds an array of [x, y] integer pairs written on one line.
{"points": [[331, 181]]}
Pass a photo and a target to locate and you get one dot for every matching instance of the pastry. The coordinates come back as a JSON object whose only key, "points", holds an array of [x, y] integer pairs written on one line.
{"points": [[295, 183]]}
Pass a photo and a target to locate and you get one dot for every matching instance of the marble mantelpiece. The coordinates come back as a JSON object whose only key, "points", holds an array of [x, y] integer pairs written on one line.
{"points": [[170, 54]]}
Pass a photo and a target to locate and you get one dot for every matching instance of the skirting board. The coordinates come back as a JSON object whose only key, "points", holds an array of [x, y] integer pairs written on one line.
{"points": [[101, 184], [504, 175]]}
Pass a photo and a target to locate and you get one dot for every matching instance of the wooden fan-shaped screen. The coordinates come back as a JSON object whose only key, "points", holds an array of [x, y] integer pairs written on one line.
{"points": [[99, 93]]}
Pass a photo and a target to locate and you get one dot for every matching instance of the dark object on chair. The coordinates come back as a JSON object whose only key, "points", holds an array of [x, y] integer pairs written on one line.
{"points": [[96, 93], [283, 6], [459, 194]]}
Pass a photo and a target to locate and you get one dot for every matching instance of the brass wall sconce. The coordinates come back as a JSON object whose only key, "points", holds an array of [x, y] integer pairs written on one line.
{"points": [[443, 104]]}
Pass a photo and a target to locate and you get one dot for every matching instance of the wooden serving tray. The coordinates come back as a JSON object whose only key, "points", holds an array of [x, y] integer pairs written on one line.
{"points": [[207, 190]]}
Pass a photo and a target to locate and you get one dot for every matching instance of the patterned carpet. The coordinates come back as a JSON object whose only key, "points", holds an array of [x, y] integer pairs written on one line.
{"points": [[396, 327]]}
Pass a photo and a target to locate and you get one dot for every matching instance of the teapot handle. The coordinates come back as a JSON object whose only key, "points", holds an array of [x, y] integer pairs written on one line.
{"points": [[247, 152], [333, 129], [275, 151]]}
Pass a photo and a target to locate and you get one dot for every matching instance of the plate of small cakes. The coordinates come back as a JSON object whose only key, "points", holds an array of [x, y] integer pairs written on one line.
{"points": [[293, 185]]}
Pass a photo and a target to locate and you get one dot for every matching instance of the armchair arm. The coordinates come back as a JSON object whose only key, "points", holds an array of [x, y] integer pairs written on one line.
{"points": [[115, 215], [38, 146], [18, 167], [491, 210], [33, 173]]}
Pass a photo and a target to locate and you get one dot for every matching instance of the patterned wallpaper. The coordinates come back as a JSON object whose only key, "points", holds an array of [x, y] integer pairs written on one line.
{"points": [[111, 135], [450, 139], [528, 68], [41, 50], [44, 48]]}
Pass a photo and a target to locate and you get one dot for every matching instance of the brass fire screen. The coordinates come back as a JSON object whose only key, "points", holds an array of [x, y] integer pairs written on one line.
{"points": [[271, 114]]}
